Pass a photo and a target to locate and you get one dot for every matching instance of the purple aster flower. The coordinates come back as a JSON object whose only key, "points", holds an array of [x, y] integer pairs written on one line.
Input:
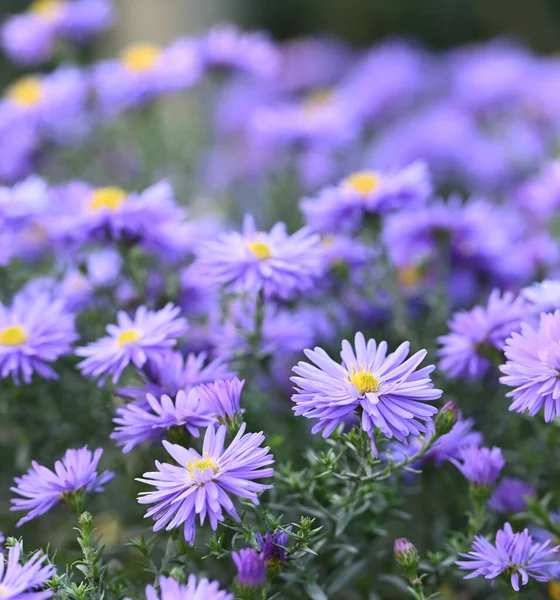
{"points": [[21, 581], [145, 71], [478, 335], [227, 47], [170, 589], [24, 202], [389, 390], [148, 336], [543, 296], [41, 488], [342, 208], [178, 373], [251, 568], [482, 466], [201, 484], [511, 495], [221, 398], [33, 332], [279, 264], [137, 423], [533, 366], [513, 554], [273, 546]]}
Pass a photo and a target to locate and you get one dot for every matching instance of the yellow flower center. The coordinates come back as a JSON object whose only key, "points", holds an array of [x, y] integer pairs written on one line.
{"points": [[364, 381], [363, 182], [140, 58], [110, 198], [13, 336], [260, 250], [46, 9], [130, 336], [554, 590], [202, 464], [26, 92], [409, 276]]}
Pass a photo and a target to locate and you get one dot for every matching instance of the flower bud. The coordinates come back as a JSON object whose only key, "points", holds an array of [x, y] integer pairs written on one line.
{"points": [[446, 418], [251, 568], [406, 556]]}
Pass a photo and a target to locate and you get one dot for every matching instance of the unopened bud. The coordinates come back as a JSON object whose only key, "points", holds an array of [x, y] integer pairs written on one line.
{"points": [[406, 556], [446, 418]]}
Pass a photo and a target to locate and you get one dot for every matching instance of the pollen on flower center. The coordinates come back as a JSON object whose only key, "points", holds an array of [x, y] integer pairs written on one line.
{"points": [[128, 337], [364, 381], [140, 58], [26, 92], [260, 250], [110, 198], [202, 464], [46, 9], [315, 101], [13, 336], [363, 182]]}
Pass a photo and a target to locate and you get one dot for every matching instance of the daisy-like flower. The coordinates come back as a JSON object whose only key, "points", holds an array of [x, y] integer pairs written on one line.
{"points": [[533, 367], [201, 484], [251, 568], [22, 581], [543, 296], [481, 466], [367, 192], [222, 398], [136, 423], [478, 335], [388, 389], [34, 332], [170, 589], [41, 488], [273, 546], [279, 264], [513, 554], [148, 336]]}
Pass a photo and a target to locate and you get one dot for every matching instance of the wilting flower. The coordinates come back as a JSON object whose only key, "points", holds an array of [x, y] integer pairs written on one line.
{"points": [[170, 589], [543, 296], [533, 366], [273, 546], [342, 208], [514, 554], [137, 423], [42, 488], [20, 581], [511, 495], [251, 568], [479, 334], [481, 466], [279, 264], [222, 398], [34, 332], [202, 483], [388, 389], [149, 336]]}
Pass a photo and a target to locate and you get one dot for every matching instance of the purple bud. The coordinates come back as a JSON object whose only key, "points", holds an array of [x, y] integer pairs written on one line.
{"points": [[251, 568], [406, 555]]}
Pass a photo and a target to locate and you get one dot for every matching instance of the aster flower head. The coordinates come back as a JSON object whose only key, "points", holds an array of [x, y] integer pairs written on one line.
{"points": [[23, 202], [532, 367], [512, 554], [543, 296], [222, 398], [481, 466], [149, 336], [273, 546], [251, 568], [479, 334], [278, 264], [342, 208], [170, 589], [41, 488], [389, 389], [23, 581], [202, 483], [138, 423], [510, 495], [34, 331]]}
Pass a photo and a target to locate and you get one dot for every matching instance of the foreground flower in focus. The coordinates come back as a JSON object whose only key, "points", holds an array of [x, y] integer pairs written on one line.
{"points": [[533, 367], [279, 264], [388, 389], [513, 554], [202, 482], [20, 581], [137, 423], [149, 336], [481, 466], [42, 488], [34, 332], [477, 336], [193, 590]]}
